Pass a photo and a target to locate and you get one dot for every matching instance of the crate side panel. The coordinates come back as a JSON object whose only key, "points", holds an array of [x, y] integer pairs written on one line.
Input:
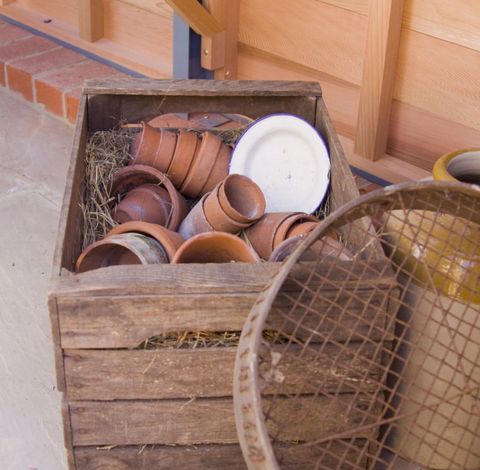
{"points": [[207, 372], [212, 420]]}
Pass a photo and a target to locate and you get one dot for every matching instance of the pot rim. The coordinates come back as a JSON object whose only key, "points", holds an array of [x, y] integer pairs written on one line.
{"points": [[441, 171]]}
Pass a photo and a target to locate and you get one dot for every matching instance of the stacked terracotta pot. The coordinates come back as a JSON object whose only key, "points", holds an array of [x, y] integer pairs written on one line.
{"points": [[227, 221]]}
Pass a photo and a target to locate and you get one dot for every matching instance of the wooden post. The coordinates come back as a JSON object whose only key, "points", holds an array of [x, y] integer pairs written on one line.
{"points": [[227, 12], [91, 19], [382, 44]]}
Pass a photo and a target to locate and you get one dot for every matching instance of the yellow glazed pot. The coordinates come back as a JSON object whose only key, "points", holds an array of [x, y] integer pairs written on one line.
{"points": [[439, 425]]}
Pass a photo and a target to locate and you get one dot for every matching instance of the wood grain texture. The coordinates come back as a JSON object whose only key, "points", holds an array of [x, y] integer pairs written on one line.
{"points": [[57, 346], [177, 421], [91, 19], [198, 457], [439, 77], [205, 372], [378, 80], [228, 14], [289, 29], [71, 217]]}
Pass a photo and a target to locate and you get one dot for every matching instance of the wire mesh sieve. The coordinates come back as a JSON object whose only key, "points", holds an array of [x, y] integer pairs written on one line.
{"points": [[372, 361]]}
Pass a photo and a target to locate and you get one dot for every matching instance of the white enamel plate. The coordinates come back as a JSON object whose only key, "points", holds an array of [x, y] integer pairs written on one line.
{"points": [[288, 159]]}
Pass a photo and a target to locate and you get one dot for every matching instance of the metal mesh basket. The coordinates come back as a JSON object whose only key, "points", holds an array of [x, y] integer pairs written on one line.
{"points": [[350, 360]]}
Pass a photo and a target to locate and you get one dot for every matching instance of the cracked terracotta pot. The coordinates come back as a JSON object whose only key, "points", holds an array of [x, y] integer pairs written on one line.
{"points": [[146, 203], [202, 165], [285, 226], [153, 147], [261, 235], [241, 199], [132, 176], [215, 247], [195, 222], [217, 217], [127, 248], [187, 143], [170, 241]]}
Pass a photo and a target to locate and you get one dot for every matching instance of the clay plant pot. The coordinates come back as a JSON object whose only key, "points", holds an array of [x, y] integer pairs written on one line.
{"points": [[132, 176], [261, 235], [288, 223], [153, 147], [147, 203], [195, 222], [241, 199], [215, 247], [327, 246], [170, 241], [187, 144], [216, 216], [202, 165], [220, 169], [302, 228], [127, 248]]}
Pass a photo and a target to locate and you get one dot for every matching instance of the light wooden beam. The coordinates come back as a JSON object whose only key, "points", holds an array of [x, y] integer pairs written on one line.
{"points": [[227, 12], [90, 19], [380, 59]]}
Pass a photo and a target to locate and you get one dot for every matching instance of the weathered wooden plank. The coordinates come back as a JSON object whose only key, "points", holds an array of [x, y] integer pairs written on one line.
{"points": [[116, 322], [210, 457], [207, 372], [379, 66], [70, 225], [68, 434], [57, 346], [210, 421], [239, 88], [232, 278], [198, 457]]}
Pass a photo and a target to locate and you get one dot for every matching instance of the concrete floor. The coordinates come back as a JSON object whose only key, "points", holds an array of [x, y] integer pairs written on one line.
{"points": [[34, 154]]}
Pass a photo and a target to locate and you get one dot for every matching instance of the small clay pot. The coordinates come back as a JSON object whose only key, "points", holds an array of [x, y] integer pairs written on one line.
{"points": [[195, 222], [202, 165], [302, 228], [187, 143], [220, 169], [170, 241], [127, 248], [147, 203], [241, 199], [132, 176], [261, 235], [288, 223], [154, 147], [215, 247], [216, 216]]}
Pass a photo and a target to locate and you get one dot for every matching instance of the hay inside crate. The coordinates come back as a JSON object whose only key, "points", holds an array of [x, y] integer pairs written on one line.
{"points": [[124, 396]]}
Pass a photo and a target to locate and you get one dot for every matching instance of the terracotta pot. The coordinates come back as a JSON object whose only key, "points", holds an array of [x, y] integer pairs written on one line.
{"points": [[327, 246], [220, 169], [288, 223], [132, 176], [241, 199], [215, 247], [171, 120], [154, 147], [170, 241], [195, 222], [202, 165], [216, 216], [187, 143], [127, 248], [261, 235], [302, 228], [147, 203]]}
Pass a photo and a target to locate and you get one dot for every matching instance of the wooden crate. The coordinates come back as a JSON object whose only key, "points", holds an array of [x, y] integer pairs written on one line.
{"points": [[164, 408]]}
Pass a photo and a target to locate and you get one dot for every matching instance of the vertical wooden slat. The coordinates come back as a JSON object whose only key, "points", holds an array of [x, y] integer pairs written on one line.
{"points": [[91, 19], [382, 44], [227, 12]]}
